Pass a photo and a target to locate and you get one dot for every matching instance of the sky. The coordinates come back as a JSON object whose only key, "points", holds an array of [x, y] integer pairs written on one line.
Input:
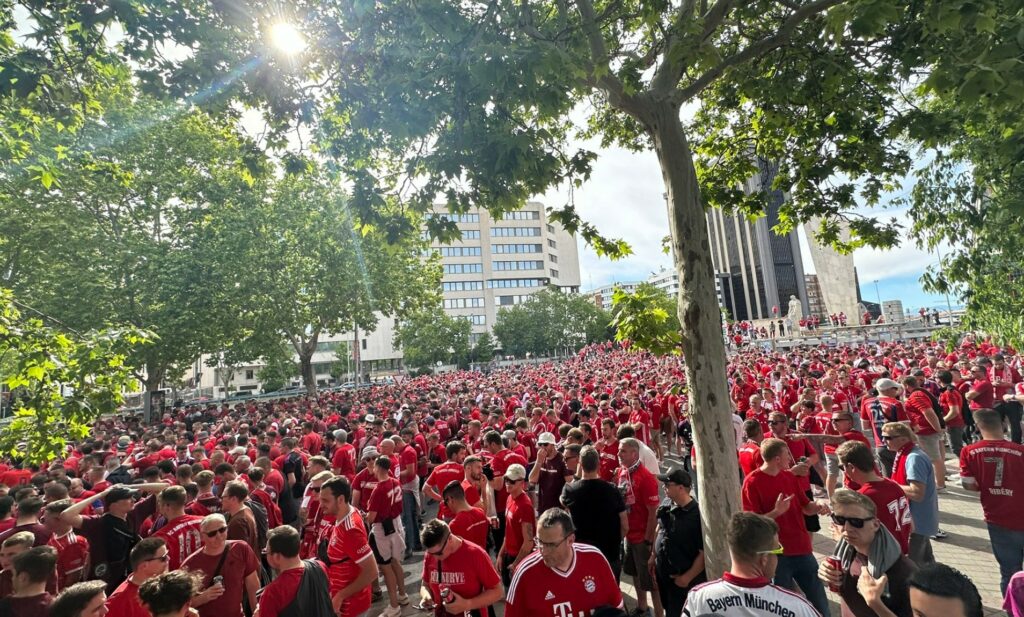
{"points": [[623, 198]]}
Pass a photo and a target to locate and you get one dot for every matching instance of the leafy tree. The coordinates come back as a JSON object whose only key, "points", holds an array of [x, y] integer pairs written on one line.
{"points": [[61, 381], [970, 195], [135, 229], [430, 335], [278, 367], [318, 271], [550, 322], [647, 318], [483, 350]]}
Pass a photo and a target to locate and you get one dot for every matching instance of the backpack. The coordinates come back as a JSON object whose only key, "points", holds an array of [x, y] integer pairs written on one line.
{"points": [[259, 513], [312, 598], [936, 407]]}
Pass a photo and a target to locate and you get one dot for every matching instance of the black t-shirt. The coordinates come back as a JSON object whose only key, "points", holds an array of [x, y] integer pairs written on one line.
{"points": [[595, 506], [679, 539]]}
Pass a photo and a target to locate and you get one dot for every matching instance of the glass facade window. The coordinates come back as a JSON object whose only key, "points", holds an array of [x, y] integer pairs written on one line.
{"points": [[511, 300], [459, 251], [471, 234], [455, 218], [552, 244], [553, 258], [517, 265], [554, 273], [462, 286], [516, 248], [521, 215], [459, 303], [507, 283], [510, 232], [463, 268]]}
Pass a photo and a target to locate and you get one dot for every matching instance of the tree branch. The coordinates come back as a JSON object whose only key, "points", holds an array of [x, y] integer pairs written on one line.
{"points": [[756, 49], [600, 69]]}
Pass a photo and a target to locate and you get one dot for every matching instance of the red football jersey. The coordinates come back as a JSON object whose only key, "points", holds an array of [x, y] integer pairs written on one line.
{"points": [[540, 591], [348, 547], [469, 572], [892, 509], [72, 558], [442, 475], [997, 467], [386, 500], [365, 482], [182, 538], [471, 525]]}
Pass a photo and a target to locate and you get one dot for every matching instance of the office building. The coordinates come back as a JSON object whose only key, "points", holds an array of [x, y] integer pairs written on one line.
{"points": [[758, 270], [815, 303], [501, 262], [498, 262], [602, 295]]}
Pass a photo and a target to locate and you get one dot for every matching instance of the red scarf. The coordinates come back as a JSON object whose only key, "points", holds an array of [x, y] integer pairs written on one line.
{"points": [[899, 465]]}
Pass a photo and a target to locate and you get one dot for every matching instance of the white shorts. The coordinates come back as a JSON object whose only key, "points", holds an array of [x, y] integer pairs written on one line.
{"points": [[389, 547]]}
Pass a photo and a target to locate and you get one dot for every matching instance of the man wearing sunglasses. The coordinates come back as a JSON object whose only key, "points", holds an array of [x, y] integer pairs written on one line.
{"points": [[461, 570], [913, 471], [520, 522], [149, 559], [233, 561], [746, 589], [872, 574]]}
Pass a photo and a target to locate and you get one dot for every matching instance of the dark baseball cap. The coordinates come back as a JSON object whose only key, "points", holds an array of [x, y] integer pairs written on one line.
{"points": [[677, 476]]}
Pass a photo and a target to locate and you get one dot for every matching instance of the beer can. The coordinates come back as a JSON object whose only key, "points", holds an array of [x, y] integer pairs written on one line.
{"points": [[836, 565]]}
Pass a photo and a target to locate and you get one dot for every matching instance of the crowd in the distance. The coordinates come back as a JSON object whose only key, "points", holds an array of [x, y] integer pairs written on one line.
{"points": [[536, 489]]}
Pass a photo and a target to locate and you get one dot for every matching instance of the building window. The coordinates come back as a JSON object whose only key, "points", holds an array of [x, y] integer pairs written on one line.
{"points": [[462, 286], [521, 215], [509, 283], [459, 251], [511, 300], [516, 248], [250, 374], [553, 258], [459, 303], [551, 228], [511, 232], [517, 265], [471, 234], [552, 243], [463, 268], [363, 342], [478, 320], [455, 218], [554, 273]]}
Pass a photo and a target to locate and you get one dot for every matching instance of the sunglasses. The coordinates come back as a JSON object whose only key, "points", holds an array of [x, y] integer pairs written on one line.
{"points": [[856, 523], [511, 481], [440, 551], [777, 422], [774, 551], [889, 437], [215, 532], [164, 558], [843, 419]]}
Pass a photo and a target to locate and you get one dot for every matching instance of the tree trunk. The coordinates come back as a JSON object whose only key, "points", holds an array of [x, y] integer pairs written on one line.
{"points": [[703, 349], [305, 349]]}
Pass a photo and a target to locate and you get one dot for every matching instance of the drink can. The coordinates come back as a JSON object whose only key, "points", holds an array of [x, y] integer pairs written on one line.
{"points": [[446, 593], [836, 565]]}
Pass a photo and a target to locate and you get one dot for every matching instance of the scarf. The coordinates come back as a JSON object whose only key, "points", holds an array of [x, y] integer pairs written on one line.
{"points": [[882, 554], [899, 465]]}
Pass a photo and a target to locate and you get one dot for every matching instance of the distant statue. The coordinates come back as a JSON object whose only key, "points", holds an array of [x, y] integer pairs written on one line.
{"points": [[796, 310]]}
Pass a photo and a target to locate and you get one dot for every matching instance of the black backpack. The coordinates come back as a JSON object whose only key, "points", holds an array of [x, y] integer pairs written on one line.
{"points": [[312, 598], [936, 407], [259, 513]]}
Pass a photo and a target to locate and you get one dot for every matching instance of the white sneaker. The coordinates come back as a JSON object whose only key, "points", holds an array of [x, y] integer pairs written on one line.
{"points": [[392, 611], [403, 599]]}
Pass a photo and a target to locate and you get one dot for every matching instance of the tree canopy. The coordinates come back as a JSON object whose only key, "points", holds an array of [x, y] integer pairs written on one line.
{"points": [[551, 322], [60, 381], [647, 318], [430, 335]]}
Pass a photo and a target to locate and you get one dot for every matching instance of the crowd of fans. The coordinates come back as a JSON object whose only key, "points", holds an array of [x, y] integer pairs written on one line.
{"points": [[551, 482]]}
